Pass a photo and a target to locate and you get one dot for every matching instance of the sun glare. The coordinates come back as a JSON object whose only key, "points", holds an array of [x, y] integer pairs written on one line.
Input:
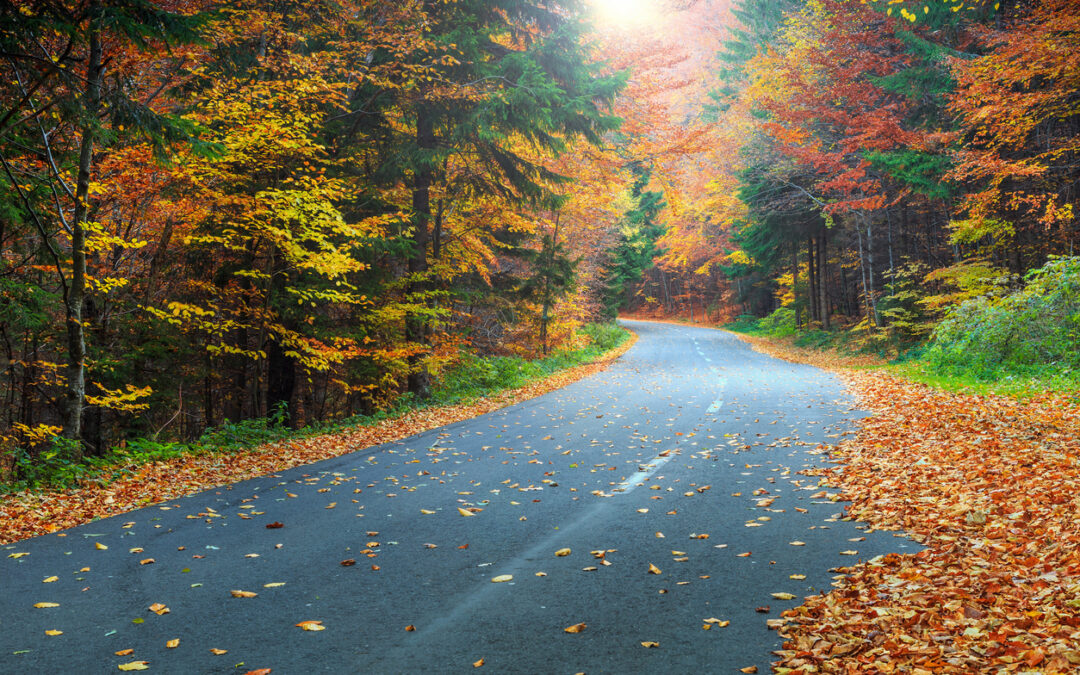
{"points": [[623, 14]]}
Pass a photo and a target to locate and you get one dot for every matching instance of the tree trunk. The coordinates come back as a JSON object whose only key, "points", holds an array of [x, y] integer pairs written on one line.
{"points": [[822, 266], [416, 325], [812, 274], [795, 285], [75, 395]]}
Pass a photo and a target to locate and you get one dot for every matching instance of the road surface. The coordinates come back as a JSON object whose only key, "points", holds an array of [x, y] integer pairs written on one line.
{"points": [[683, 455]]}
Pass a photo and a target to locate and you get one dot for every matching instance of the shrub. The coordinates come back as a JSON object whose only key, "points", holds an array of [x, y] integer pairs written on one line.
{"points": [[1026, 332]]}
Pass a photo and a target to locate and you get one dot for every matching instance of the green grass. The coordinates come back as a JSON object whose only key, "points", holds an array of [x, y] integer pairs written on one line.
{"points": [[472, 378], [911, 363]]}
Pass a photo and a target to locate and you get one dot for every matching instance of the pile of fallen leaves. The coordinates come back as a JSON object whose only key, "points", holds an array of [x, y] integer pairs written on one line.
{"points": [[32, 514], [990, 485]]}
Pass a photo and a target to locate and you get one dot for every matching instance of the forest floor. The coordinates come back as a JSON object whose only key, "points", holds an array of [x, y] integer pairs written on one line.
{"points": [[125, 488], [990, 485]]}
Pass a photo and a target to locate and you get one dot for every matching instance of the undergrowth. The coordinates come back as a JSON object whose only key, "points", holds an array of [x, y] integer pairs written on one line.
{"points": [[1018, 343], [471, 378]]}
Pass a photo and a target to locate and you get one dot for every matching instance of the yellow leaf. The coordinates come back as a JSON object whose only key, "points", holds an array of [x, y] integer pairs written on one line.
{"points": [[147, 561], [54, 632], [576, 628], [501, 578], [311, 625], [849, 553], [125, 652], [102, 547], [783, 596], [465, 513], [17, 555], [159, 609], [653, 569], [477, 664], [218, 652], [46, 605], [541, 574], [49, 580], [243, 594], [134, 665], [562, 552], [274, 584], [798, 577], [798, 543], [173, 644], [427, 512], [650, 645], [748, 669]]}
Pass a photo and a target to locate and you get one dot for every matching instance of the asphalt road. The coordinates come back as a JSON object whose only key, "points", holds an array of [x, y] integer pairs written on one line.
{"points": [[683, 455]]}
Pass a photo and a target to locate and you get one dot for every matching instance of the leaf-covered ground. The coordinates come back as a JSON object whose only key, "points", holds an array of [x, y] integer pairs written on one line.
{"points": [[32, 514], [990, 485]]}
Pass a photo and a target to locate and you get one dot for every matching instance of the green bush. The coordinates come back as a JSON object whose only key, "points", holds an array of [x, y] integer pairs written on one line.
{"points": [[1034, 331], [780, 323]]}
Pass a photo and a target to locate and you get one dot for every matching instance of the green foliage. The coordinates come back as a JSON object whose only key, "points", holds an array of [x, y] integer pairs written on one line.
{"points": [[920, 171], [474, 376], [1031, 331], [638, 233], [901, 307]]}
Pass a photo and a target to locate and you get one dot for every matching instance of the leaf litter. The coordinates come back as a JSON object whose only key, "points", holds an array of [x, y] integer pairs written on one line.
{"points": [[990, 486]]}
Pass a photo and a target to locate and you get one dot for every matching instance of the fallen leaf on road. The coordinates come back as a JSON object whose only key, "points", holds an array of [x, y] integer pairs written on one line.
{"points": [[748, 669], [798, 543], [348, 562], [243, 594], [427, 512], [501, 578], [743, 555], [410, 628], [562, 552], [650, 645], [311, 625], [576, 628], [274, 584], [465, 513], [173, 644], [49, 580], [125, 652], [477, 664], [102, 547], [218, 652], [717, 622], [46, 605], [258, 671], [159, 609], [589, 569], [54, 632], [17, 555], [134, 665], [274, 526], [782, 596], [541, 574], [653, 569], [849, 553], [146, 561]]}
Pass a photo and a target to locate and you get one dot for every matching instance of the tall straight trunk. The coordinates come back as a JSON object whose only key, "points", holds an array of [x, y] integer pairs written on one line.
{"points": [[862, 272], [812, 281], [795, 284], [416, 325], [822, 265], [870, 272], [75, 395]]}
